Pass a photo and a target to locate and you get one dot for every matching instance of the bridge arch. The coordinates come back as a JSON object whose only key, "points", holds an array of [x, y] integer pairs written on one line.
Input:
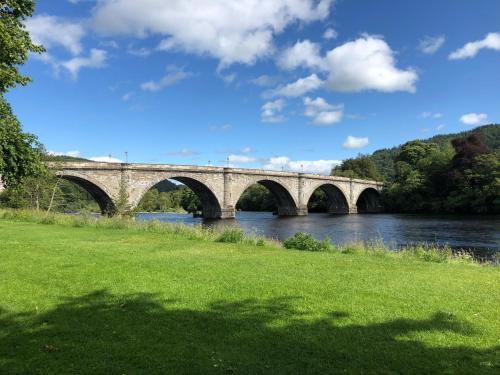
{"points": [[98, 192], [337, 202], [368, 201], [287, 205], [211, 204]]}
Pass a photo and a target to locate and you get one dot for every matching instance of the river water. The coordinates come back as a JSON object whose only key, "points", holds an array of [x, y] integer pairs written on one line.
{"points": [[478, 233]]}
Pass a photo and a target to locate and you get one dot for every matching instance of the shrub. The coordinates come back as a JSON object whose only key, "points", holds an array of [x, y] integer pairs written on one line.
{"points": [[306, 242], [231, 235], [430, 254], [48, 219], [260, 242]]}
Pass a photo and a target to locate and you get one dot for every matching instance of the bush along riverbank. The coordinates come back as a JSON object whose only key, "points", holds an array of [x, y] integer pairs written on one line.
{"points": [[234, 234]]}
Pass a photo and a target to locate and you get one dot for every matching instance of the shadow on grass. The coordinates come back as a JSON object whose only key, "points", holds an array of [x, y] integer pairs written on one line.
{"points": [[101, 333]]}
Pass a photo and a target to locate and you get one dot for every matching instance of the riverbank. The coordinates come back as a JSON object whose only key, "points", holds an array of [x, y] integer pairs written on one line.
{"points": [[114, 297], [234, 234]]}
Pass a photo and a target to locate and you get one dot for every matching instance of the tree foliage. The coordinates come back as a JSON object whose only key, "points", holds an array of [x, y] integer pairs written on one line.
{"points": [[42, 192], [361, 167], [15, 42], [257, 198], [428, 178], [385, 158], [20, 153], [180, 199]]}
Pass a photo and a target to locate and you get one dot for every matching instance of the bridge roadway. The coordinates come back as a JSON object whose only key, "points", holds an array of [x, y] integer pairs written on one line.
{"points": [[218, 188]]}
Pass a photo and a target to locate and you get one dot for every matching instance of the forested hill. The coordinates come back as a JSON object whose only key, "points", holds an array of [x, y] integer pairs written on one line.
{"points": [[384, 158], [63, 158], [490, 133], [455, 173]]}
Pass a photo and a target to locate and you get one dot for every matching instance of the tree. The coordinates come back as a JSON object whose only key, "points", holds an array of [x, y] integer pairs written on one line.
{"points": [[362, 167], [256, 198], [418, 170], [20, 153], [473, 178], [15, 42], [466, 150]]}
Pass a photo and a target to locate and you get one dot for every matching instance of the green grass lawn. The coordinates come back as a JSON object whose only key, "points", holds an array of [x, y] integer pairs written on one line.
{"points": [[119, 301]]}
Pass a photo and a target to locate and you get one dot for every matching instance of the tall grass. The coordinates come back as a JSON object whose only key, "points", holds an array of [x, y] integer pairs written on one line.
{"points": [[424, 252], [231, 234], [235, 235]]}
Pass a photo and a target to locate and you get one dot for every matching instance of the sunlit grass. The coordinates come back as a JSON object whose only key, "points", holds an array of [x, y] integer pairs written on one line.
{"points": [[118, 297]]}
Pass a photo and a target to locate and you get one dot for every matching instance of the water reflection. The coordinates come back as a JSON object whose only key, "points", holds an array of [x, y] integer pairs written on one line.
{"points": [[466, 232]]}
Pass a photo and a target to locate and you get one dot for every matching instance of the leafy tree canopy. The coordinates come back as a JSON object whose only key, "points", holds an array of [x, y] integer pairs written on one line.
{"points": [[361, 167], [15, 42], [20, 153]]}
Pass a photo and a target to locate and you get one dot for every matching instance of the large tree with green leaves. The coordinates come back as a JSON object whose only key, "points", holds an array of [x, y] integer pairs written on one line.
{"points": [[20, 153], [361, 167], [416, 186]]}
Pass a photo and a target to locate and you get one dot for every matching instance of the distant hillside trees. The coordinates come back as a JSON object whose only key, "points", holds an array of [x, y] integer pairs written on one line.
{"points": [[174, 199], [456, 173], [361, 167], [257, 198], [42, 192]]}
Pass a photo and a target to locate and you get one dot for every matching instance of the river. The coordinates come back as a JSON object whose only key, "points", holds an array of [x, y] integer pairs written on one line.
{"points": [[478, 233]]}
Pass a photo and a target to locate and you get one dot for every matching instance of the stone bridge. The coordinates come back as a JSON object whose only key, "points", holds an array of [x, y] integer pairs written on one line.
{"points": [[219, 188]]}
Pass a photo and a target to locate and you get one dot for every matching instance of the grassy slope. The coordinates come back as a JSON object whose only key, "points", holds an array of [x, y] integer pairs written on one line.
{"points": [[91, 300]]}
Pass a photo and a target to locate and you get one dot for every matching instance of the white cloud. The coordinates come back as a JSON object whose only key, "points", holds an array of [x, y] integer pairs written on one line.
{"points": [[106, 159], [96, 59], [221, 128], [307, 166], [490, 41], [301, 54], [431, 115], [322, 112], [173, 76], [328, 118], [229, 78], [126, 97], [297, 88], [232, 31], [139, 51], [430, 45], [73, 154], [330, 34], [474, 118], [271, 111], [53, 31], [355, 142], [247, 150], [264, 80], [313, 106], [367, 63], [109, 44], [240, 159], [185, 152], [440, 127]]}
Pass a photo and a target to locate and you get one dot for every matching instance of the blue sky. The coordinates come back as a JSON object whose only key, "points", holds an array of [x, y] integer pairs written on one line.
{"points": [[282, 84]]}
